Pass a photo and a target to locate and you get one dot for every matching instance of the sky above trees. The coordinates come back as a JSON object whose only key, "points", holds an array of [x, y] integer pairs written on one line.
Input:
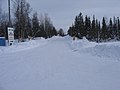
{"points": [[1, 1], [63, 12]]}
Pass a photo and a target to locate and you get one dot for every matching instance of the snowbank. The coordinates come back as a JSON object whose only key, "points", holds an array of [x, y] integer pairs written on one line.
{"points": [[108, 50], [22, 46]]}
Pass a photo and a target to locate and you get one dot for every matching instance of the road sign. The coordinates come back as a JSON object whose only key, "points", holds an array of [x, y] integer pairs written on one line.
{"points": [[10, 35]]}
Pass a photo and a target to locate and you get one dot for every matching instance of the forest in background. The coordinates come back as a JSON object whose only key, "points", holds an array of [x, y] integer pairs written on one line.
{"points": [[94, 30], [27, 26]]}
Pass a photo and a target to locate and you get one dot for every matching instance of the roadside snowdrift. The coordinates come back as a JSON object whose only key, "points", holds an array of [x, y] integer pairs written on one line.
{"points": [[23, 46], [108, 50]]}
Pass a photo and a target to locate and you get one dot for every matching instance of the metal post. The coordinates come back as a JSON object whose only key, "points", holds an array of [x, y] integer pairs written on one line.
{"points": [[9, 13]]}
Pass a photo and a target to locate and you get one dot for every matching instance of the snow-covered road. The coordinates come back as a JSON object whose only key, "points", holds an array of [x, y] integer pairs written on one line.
{"points": [[57, 64]]}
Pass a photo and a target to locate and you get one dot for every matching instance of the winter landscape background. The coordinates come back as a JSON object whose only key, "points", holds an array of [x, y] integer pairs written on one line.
{"points": [[72, 45]]}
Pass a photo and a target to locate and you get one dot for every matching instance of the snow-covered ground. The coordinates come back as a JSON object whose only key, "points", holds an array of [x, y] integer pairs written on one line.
{"points": [[109, 50], [60, 64]]}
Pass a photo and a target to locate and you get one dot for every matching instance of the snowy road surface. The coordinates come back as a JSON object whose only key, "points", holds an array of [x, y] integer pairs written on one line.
{"points": [[59, 64]]}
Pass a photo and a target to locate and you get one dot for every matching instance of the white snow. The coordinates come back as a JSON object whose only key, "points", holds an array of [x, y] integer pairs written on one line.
{"points": [[109, 50], [22, 46], [60, 64]]}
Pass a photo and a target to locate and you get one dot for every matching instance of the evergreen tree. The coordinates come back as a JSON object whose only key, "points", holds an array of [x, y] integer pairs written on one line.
{"points": [[114, 28], [111, 29], [72, 31], [94, 30], [118, 28], [104, 29], [54, 32], [87, 27], [79, 25], [97, 31], [61, 32]]}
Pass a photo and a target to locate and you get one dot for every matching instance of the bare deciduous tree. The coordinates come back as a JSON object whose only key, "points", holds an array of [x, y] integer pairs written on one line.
{"points": [[22, 20]]}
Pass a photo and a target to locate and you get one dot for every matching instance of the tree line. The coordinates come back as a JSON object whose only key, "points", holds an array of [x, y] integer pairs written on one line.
{"points": [[3, 22], [94, 30], [26, 25]]}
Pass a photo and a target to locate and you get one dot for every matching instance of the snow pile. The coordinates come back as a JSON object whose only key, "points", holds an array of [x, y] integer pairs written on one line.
{"points": [[22, 46], [108, 50], [83, 43]]}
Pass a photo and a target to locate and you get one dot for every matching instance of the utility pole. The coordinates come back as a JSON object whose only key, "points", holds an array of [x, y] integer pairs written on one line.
{"points": [[9, 13], [10, 29]]}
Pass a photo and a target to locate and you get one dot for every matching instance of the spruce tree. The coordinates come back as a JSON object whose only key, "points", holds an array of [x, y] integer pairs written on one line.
{"points": [[97, 26], [93, 30], [86, 31], [72, 31], [87, 27], [61, 32], [114, 28], [118, 27], [79, 25], [104, 29], [111, 29]]}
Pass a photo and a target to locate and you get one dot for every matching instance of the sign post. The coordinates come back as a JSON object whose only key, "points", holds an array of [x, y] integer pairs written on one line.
{"points": [[10, 36]]}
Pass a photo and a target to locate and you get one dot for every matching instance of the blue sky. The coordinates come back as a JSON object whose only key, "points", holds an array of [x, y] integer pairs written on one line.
{"points": [[63, 12]]}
